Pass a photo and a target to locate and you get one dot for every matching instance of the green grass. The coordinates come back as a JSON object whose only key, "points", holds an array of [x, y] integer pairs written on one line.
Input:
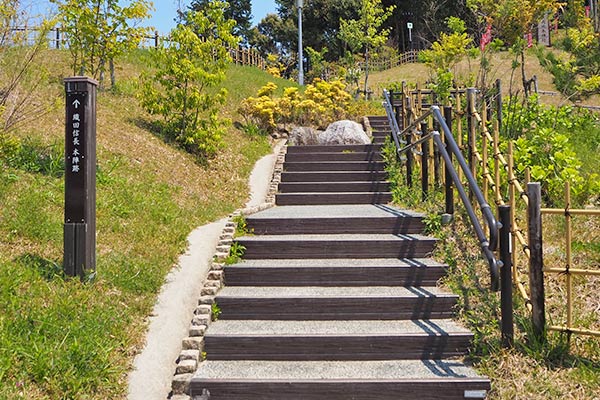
{"points": [[59, 338]]}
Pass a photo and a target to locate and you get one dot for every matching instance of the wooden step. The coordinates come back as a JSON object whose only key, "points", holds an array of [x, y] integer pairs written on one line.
{"points": [[335, 272], [335, 148], [335, 340], [381, 139], [381, 132], [334, 303], [337, 246], [339, 176], [322, 166], [339, 380], [333, 187], [334, 219], [377, 118], [353, 156], [285, 199]]}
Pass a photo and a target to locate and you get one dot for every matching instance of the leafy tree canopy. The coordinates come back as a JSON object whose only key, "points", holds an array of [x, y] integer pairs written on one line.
{"points": [[239, 10]]}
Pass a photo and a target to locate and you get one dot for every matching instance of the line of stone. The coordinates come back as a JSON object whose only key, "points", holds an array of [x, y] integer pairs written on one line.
{"points": [[193, 346]]}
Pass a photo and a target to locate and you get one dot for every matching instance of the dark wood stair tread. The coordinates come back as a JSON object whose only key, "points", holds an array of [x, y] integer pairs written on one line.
{"points": [[335, 340], [337, 380], [324, 198], [335, 272]]}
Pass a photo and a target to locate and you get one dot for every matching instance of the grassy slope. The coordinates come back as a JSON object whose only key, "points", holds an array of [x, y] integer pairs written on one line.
{"points": [[501, 69], [60, 339]]}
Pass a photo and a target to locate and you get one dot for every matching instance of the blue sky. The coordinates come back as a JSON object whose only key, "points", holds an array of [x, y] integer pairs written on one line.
{"points": [[165, 11]]}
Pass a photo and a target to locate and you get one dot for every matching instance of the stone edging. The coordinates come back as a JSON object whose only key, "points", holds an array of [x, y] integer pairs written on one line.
{"points": [[193, 345]]}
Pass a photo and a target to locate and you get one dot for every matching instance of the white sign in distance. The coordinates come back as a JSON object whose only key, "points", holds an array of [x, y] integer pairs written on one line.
{"points": [[409, 25]]}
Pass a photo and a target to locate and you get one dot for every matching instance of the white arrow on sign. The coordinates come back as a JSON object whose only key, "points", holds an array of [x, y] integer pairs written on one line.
{"points": [[76, 103]]}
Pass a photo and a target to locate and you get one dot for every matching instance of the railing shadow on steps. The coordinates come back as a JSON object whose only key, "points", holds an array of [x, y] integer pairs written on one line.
{"points": [[498, 228]]}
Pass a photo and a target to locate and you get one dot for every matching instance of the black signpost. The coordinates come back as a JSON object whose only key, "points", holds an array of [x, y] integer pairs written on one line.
{"points": [[80, 177]]}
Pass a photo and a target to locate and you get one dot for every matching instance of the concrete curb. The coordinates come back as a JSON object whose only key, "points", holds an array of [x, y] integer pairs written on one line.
{"points": [[193, 346]]}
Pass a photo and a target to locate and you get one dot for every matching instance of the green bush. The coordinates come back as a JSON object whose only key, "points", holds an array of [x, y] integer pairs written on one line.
{"points": [[193, 62], [552, 142], [32, 156]]}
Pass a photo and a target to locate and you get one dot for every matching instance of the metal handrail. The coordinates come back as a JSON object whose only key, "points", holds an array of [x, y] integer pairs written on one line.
{"points": [[387, 104], [487, 245]]}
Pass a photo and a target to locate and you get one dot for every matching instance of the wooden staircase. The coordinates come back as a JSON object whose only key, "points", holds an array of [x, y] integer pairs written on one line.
{"points": [[336, 296]]}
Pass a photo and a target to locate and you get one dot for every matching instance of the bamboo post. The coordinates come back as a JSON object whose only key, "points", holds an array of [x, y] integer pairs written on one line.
{"points": [[568, 255], [498, 192], [536, 260], [484, 148], [499, 103]]}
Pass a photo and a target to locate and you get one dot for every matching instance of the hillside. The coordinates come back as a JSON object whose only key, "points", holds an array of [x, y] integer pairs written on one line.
{"points": [[500, 69], [60, 339]]}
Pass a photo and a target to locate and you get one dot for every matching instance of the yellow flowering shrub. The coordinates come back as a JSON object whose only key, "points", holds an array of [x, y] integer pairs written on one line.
{"points": [[276, 72], [321, 104]]}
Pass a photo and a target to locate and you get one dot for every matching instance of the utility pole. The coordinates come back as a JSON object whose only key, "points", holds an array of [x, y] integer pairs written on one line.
{"points": [[300, 4]]}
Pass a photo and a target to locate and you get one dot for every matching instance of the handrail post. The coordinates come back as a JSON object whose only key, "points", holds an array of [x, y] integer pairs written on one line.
{"points": [[436, 158], [404, 106], [536, 260], [409, 154], [471, 126], [506, 301], [424, 163], [448, 177]]}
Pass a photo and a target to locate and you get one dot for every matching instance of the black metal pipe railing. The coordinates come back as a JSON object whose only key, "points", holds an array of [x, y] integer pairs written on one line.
{"points": [[448, 149], [389, 110]]}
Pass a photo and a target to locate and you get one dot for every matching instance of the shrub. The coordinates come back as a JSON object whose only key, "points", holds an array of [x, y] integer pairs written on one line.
{"points": [[321, 103], [194, 62], [545, 143]]}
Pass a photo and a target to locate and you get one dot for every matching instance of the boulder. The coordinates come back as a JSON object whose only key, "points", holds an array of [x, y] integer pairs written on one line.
{"points": [[344, 132], [302, 136]]}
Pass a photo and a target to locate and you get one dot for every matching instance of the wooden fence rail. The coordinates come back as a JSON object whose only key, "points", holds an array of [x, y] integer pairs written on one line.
{"points": [[408, 57], [57, 38]]}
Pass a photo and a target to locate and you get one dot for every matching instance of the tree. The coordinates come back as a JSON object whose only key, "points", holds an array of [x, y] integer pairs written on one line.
{"points": [[274, 35], [321, 23], [98, 31], [578, 75], [189, 68], [239, 10], [366, 33], [512, 20], [20, 74]]}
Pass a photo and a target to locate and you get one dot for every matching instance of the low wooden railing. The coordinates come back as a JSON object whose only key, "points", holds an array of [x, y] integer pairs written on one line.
{"points": [[57, 38], [408, 57]]}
